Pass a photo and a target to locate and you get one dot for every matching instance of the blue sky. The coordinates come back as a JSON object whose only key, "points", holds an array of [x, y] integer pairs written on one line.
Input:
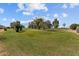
{"points": [[26, 12]]}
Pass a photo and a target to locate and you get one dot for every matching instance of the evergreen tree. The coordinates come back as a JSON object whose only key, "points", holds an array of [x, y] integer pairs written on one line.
{"points": [[55, 23]]}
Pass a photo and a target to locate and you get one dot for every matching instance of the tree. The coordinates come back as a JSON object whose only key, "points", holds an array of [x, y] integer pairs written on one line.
{"points": [[12, 24], [47, 24], [55, 23], [36, 24], [5, 29], [21, 27], [64, 24], [39, 22], [32, 25], [17, 26], [73, 26]]}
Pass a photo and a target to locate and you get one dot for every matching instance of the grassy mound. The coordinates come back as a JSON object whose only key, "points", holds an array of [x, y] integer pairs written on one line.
{"points": [[39, 42]]}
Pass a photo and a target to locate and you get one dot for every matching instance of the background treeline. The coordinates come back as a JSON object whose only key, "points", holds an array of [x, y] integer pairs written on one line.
{"points": [[40, 23], [37, 23]]}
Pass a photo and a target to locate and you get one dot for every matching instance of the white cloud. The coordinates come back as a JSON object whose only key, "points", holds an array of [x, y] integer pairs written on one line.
{"points": [[64, 14], [27, 9], [20, 6], [60, 16], [48, 15], [72, 5], [4, 19], [27, 13], [37, 6], [25, 21], [56, 15], [65, 6], [1, 10], [13, 19]]}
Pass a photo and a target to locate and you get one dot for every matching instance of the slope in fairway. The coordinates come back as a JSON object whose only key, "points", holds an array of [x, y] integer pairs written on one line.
{"points": [[38, 42]]}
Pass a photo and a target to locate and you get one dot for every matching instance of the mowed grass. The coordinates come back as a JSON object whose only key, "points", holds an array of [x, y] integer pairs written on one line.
{"points": [[41, 43]]}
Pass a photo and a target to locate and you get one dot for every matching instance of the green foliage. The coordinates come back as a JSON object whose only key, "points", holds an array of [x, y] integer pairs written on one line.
{"points": [[39, 23], [73, 26], [55, 23], [12, 24], [48, 24], [17, 26], [5, 29]]}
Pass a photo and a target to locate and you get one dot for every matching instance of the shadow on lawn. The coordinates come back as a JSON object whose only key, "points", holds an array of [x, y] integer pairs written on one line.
{"points": [[21, 31]]}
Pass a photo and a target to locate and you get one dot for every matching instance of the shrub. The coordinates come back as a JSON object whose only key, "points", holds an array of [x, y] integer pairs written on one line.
{"points": [[5, 29], [73, 26]]}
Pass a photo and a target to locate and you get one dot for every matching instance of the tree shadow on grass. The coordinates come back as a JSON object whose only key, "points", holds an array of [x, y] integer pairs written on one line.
{"points": [[21, 31]]}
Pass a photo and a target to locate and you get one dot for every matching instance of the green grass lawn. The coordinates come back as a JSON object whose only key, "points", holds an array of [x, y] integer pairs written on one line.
{"points": [[38, 42]]}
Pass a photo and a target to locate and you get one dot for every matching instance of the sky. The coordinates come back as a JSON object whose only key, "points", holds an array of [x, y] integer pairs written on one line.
{"points": [[26, 12]]}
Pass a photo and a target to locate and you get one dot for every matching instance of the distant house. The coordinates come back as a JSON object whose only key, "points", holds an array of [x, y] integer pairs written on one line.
{"points": [[2, 27]]}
